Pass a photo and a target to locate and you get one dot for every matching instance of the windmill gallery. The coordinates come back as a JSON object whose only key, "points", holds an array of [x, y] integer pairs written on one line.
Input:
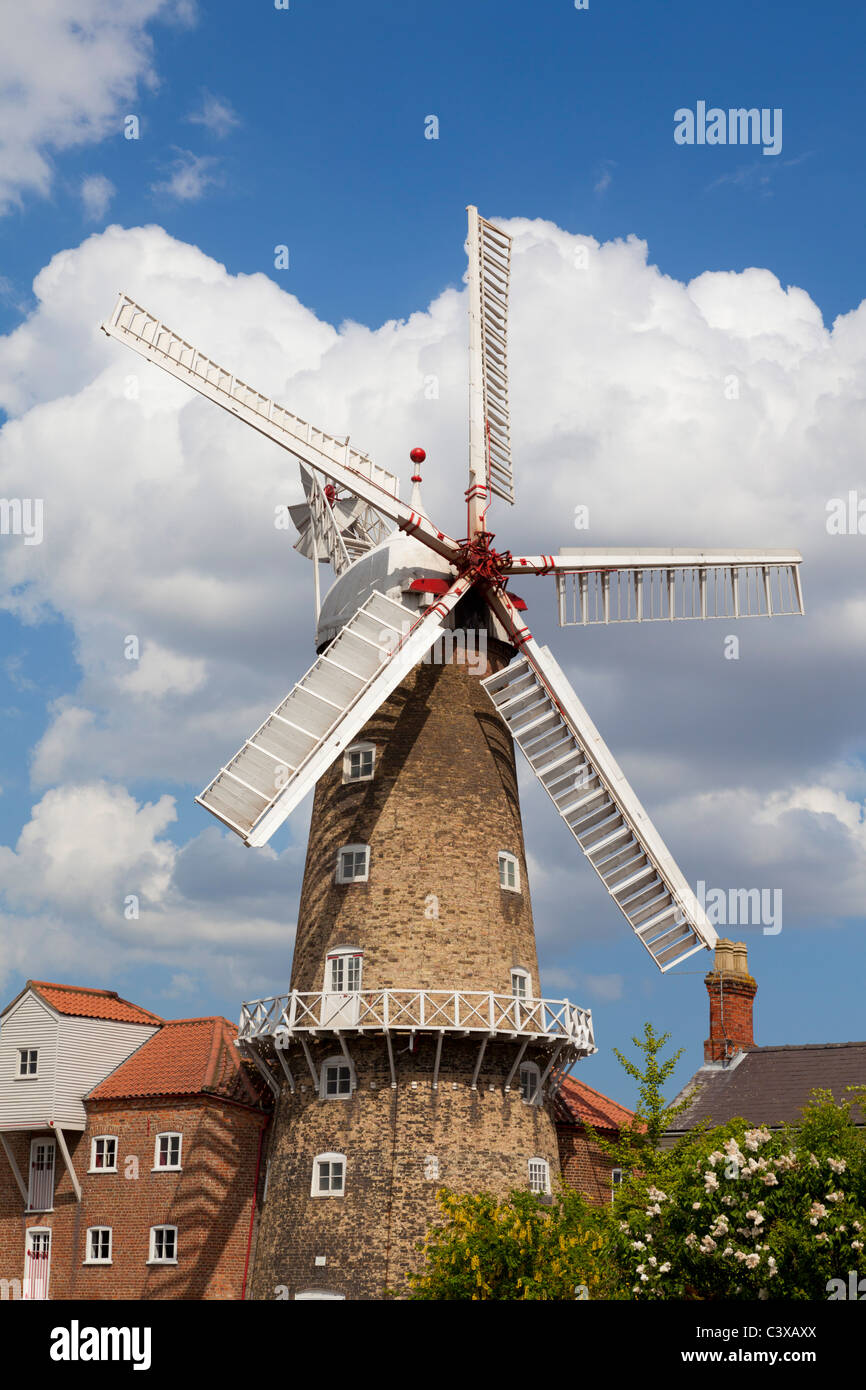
{"points": [[414, 1046]]}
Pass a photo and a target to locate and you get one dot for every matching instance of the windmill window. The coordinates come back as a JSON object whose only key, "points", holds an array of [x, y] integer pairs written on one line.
{"points": [[615, 1182], [539, 1175], [163, 1245], [343, 971], [359, 762], [103, 1154], [520, 983], [28, 1058], [353, 864], [509, 872], [98, 1246], [337, 1081], [329, 1175], [166, 1156], [530, 1078]]}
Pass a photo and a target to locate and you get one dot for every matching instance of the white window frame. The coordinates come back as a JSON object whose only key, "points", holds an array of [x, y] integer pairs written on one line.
{"points": [[168, 1167], [353, 878], [153, 1258], [518, 974], [338, 1060], [89, 1258], [341, 952], [316, 1190], [615, 1182], [506, 860], [347, 763], [544, 1176], [533, 1069], [104, 1167], [49, 1143], [28, 1075]]}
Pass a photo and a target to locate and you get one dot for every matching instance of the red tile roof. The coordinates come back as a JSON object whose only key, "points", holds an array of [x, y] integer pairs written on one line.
{"points": [[80, 1002], [578, 1103], [188, 1056]]}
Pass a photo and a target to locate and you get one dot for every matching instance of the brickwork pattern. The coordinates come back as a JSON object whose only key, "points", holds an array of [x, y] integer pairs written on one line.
{"points": [[584, 1165], [483, 1140], [731, 1015], [209, 1201]]}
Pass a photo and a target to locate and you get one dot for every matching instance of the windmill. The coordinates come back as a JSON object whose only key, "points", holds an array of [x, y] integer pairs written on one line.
{"points": [[401, 585]]}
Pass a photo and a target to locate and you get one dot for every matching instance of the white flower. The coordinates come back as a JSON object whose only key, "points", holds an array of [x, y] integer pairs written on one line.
{"points": [[663, 1269], [624, 1226], [856, 1225], [755, 1217], [813, 1161], [728, 1250], [822, 1235], [653, 1260], [752, 1260], [772, 1268], [856, 1245], [816, 1210], [655, 1194], [638, 1245], [708, 1244], [728, 1200], [640, 1269], [711, 1182], [837, 1164], [835, 1196], [691, 1239], [770, 1180], [696, 1206], [654, 1210]]}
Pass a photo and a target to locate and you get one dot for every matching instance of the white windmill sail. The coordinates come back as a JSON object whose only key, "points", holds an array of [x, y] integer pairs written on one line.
{"points": [[263, 783], [591, 794], [133, 325], [489, 422]]}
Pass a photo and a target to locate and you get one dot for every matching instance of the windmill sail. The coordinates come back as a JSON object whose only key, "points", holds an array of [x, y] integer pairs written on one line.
{"points": [[489, 420], [263, 783], [590, 792]]}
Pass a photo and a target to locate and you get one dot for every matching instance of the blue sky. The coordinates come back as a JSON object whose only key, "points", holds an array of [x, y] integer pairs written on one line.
{"points": [[305, 127]]}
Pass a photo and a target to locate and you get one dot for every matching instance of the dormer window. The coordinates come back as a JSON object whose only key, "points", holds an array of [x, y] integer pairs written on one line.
{"points": [[28, 1058], [509, 872], [353, 864], [359, 762]]}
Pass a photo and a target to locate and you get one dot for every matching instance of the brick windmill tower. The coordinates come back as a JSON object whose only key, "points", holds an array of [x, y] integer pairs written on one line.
{"points": [[414, 1048]]}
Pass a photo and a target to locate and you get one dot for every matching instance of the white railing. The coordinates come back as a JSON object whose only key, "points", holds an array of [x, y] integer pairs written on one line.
{"points": [[404, 1010]]}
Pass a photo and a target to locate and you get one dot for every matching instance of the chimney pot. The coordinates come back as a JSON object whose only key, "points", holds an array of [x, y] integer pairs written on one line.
{"points": [[732, 994]]}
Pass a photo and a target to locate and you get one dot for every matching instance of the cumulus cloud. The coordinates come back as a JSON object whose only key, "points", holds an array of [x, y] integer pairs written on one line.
{"points": [[68, 69], [96, 194], [713, 413]]}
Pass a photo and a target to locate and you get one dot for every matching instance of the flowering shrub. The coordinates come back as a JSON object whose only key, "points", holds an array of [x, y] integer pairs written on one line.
{"points": [[740, 1212]]}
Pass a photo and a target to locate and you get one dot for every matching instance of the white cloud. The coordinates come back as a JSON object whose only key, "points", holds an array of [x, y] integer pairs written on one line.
{"points": [[216, 114], [159, 522], [69, 71], [96, 194], [191, 175]]}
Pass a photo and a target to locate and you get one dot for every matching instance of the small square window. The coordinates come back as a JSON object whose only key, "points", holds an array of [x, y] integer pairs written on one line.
{"points": [[539, 1175], [163, 1245], [103, 1154], [337, 1077], [359, 763], [98, 1246], [509, 872], [353, 864], [27, 1061], [167, 1152], [329, 1175]]}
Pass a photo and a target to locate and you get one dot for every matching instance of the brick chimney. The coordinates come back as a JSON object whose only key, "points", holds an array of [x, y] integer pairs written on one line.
{"points": [[732, 991]]}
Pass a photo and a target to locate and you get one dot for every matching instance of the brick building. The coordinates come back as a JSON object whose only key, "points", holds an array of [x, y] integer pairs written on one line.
{"points": [[584, 1165], [131, 1150]]}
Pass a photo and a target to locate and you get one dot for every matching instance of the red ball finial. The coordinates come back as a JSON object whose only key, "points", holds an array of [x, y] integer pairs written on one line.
{"points": [[417, 456]]}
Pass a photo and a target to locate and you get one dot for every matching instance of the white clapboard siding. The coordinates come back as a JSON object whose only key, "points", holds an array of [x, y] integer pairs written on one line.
{"points": [[88, 1049], [74, 1055], [29, 1024]]}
